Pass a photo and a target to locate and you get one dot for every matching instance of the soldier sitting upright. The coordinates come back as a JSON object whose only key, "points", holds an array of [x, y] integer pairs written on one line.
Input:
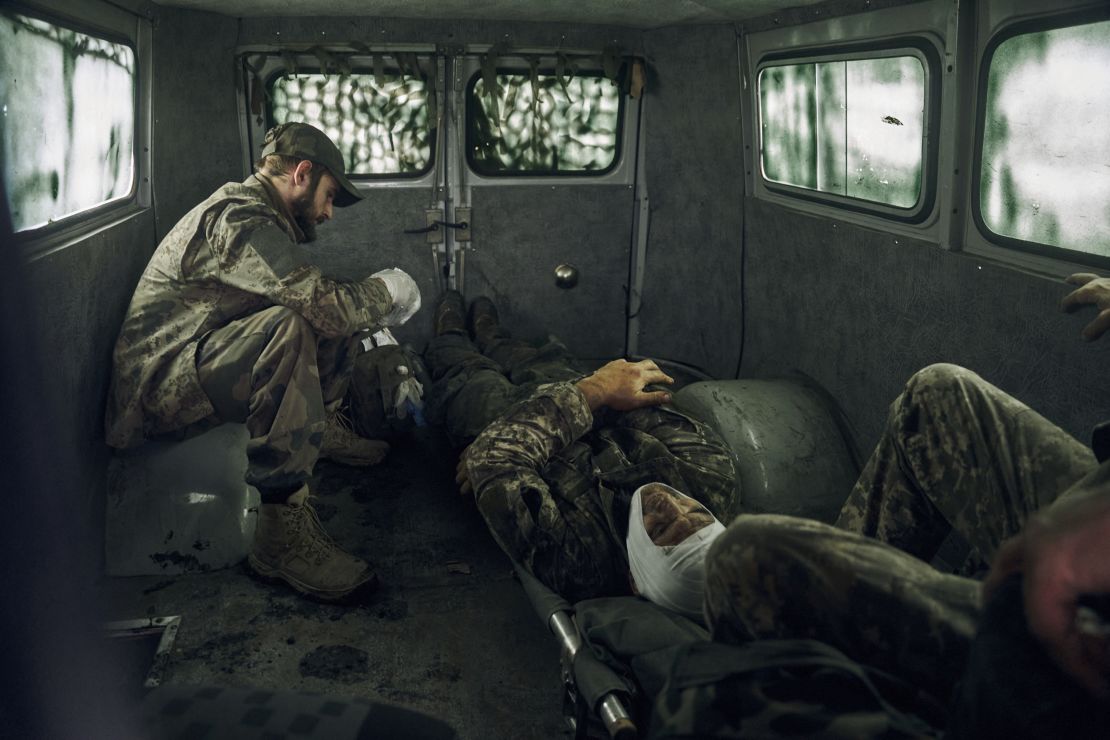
{"points": [[230, 323]]}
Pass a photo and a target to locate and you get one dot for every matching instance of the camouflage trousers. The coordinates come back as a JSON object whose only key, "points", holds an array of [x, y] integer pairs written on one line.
{"points": [[272, 372], [473, 383], [959, 461]]}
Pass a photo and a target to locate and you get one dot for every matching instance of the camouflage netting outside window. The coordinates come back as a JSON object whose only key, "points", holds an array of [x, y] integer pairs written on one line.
{"points": [[1046, 151], [382, 129], [853, 128], [544, 126], [68, 126]]}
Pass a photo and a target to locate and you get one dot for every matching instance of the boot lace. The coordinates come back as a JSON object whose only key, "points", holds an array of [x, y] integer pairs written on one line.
{"points": [[339, 430], [307, 528]]}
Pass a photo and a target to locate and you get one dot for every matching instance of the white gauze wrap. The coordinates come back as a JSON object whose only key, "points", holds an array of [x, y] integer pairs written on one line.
{"points": [[672, 576]]}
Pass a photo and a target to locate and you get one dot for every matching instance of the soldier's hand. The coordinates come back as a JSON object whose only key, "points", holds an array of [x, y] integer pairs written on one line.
{"points": [[621, 385], [1063, 554], [462, 477], [1093, 291]]}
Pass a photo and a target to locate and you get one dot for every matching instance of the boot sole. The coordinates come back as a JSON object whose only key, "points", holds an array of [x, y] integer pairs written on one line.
{"points": [[266, 574]]}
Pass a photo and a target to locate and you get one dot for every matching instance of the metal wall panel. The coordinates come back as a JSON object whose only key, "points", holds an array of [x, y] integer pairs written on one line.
{"points": [[860, 311], [691, 295], [522, 233], [369, 236]]}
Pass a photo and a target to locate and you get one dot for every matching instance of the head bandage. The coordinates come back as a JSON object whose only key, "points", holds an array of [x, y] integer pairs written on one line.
{"points": [[672, 576]]}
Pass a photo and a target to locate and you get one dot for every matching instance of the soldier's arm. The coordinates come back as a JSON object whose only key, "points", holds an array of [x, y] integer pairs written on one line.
{"points": [[256, 256], [1092, 291], [503, 464], [703, 459], [705, 462], [503, 467]]}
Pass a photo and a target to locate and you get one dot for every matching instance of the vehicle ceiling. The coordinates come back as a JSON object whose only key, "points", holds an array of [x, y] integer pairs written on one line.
{"points": [[627, 13]]}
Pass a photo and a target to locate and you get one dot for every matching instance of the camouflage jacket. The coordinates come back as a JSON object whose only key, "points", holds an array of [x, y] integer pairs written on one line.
{"points": [[232, 255], [555, 487]]}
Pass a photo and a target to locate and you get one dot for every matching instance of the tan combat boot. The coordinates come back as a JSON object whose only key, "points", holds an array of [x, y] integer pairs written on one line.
{"points": [[344, 445], [291, 545]]}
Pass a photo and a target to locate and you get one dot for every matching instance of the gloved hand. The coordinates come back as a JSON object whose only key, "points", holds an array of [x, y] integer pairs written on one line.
{"points": [[410, 398], [406, 296]]}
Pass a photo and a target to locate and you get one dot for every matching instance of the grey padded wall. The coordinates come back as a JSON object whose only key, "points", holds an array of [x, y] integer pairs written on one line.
{"points": [[196, 126], [83, 289], [369, 236], [691, 305], [860, 313], [81, 293], [522, 233]]}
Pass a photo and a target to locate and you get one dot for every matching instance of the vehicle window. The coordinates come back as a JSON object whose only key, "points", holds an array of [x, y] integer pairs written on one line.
{"points": [[68, 120], [1045, 173], [381, 123], [851, 127], [543, 124]]}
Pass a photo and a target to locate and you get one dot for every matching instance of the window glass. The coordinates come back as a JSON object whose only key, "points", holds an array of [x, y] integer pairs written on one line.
{"points": [[551, 125], [67, 102], [850, 127], [1045, 173], [381, 129]]}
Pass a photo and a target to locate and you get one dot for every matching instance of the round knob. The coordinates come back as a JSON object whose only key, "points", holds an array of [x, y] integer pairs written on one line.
{"points": [[566, 276]]}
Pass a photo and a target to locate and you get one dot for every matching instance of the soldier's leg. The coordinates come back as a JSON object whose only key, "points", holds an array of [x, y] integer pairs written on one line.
{"points": [[335, 359], [524, 362], [777, 576], [469, 390], [960, 454], [261, 370]]}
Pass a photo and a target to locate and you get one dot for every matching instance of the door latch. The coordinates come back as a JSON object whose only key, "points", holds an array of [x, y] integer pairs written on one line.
{"points": [[434, 218]]}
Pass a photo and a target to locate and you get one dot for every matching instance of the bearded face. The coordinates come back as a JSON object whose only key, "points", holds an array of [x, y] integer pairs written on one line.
{"points": [[306, 213]]}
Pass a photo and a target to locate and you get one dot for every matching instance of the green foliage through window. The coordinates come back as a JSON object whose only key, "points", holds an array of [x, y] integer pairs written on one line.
{"points": [[67, 102], [850, 127], [544, 124], [382, 126], [1045, 174]]}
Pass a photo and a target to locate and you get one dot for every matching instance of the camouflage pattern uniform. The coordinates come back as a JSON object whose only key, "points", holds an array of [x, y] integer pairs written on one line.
{"points": [[230, 323], [959, 460], [552, 482]]}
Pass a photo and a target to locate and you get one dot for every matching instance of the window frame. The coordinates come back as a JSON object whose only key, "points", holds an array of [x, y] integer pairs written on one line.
{"points": [[911, 46], [940, 25], [467, 62], [251, 134], [548, 71], [116, 24], [359, 69], [1013, 249]]}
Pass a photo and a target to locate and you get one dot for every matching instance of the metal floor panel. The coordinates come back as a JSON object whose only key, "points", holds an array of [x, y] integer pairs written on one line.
{"points": [[462, 646]]}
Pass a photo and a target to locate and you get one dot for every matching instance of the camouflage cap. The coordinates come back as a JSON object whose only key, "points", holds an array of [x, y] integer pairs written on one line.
{"points": [[304, 141]]}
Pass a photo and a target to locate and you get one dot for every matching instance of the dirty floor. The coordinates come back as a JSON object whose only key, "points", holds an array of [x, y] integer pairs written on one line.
{"points": [[450, 633]]}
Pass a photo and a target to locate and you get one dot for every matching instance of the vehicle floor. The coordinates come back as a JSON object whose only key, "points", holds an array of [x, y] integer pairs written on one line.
{"points": [[449, 633]]}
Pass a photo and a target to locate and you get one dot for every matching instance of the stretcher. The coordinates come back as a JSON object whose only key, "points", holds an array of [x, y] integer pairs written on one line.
{"points": [[793, 457]]}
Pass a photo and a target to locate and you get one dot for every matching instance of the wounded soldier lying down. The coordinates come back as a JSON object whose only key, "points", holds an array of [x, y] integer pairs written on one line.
{"points": [[579, 475]]}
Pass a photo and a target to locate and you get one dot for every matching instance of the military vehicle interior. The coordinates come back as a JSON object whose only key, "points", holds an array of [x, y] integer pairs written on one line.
{"points": [[828, 195]]}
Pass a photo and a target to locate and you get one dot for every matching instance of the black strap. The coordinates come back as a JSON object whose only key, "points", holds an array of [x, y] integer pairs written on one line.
{"points": [[461, 225]]}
